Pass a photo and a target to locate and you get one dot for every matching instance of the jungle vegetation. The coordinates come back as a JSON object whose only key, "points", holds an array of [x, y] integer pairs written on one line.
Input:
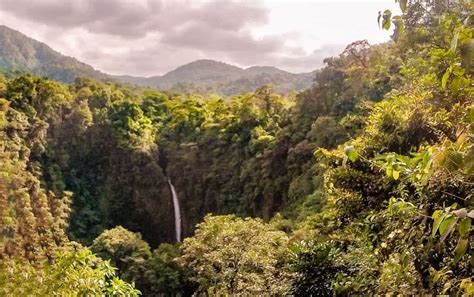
{"points": [[362, 184]]}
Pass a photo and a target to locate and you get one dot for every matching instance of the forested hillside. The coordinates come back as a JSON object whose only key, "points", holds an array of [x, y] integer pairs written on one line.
{"points": [[211, 77], [20, 54], [359, 185]]}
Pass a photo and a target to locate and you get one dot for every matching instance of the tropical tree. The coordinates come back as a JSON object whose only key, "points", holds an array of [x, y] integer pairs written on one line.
{"points": [[231, 255], [73, 273]]}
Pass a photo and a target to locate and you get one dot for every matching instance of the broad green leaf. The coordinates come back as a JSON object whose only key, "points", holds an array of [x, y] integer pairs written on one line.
{"points": [[395, 174], [386, 21], [464, 227], [353, 156], [436, 214], [453, 206], [445, 224], [446, 227], [438, 217], [389, 171], [455, 84], [460, 249], [454, 41], [437, 275], [444, 79], [391, 158], [399, 27], [458, 71]]}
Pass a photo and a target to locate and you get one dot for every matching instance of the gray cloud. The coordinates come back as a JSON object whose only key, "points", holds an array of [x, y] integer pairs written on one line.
{"points": [[134, 18], [314, 59], [206, 37], [150, 37], [295, 63], [115, 17], [230, 15]]}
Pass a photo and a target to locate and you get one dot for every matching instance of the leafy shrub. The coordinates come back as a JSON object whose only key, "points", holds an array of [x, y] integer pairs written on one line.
{"points": [[73, 273]]}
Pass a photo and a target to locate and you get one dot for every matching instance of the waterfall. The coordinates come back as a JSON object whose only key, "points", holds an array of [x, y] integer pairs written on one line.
{"points": [[177, 212]]}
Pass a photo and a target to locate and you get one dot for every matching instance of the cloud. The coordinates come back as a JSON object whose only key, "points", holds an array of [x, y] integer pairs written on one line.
{"points": [[229, 15], [151, 37], [129, 18], [206, 37], [115, 17], [315, 58], [297, 62]]}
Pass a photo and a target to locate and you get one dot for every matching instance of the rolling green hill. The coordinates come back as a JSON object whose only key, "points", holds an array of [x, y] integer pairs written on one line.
{"points": [[209, 76], [19, 53]]}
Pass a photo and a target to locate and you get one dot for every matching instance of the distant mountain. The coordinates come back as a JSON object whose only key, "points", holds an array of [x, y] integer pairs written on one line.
{"points": [[213, 76], [255, 70], [19, 53], [201, 72]]}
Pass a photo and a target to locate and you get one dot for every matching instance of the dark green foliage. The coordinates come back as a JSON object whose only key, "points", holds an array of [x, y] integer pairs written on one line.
{"points": [[33, 218], [153, 273], [369, 171], [209, 77], [400, 223], [75, 272], [252, 154], [125, 250], [316, 270], [166, 275], [18, 53], [231, 255]]}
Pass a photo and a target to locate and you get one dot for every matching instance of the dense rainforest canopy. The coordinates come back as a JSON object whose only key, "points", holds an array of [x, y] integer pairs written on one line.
{"points": [[360, 185]]}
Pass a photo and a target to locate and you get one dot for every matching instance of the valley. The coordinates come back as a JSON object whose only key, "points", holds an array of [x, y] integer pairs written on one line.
{"points": [[211, 179]]}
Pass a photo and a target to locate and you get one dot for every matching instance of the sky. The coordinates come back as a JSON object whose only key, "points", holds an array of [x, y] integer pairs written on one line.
{"points": [[152, 37]]}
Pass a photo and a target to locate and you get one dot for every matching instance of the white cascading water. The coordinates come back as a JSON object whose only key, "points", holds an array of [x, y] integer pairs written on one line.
{"points": [[177, 212]]}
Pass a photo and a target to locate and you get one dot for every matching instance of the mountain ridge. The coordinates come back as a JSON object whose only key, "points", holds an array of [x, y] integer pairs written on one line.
{"points": [[20, 53], [207, 75]]}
